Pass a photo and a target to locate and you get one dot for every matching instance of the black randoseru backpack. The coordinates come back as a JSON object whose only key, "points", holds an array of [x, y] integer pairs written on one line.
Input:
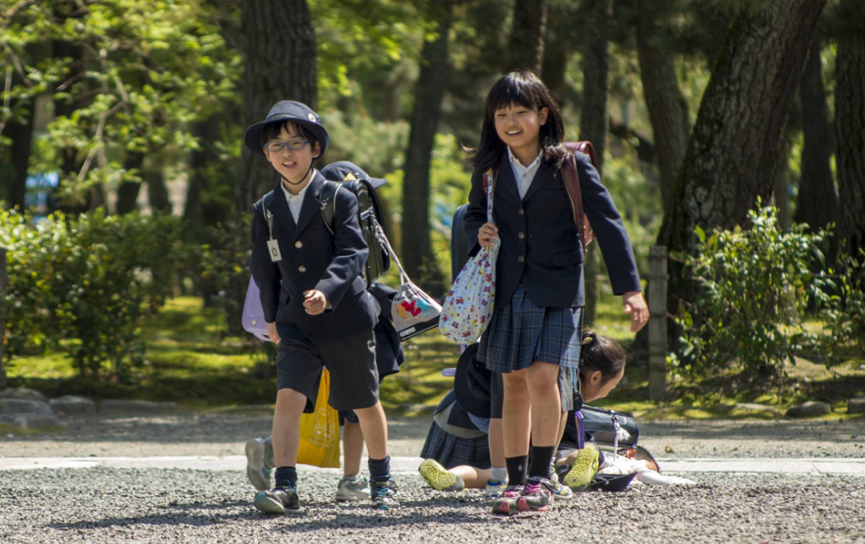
{"points": [[369, 214]]}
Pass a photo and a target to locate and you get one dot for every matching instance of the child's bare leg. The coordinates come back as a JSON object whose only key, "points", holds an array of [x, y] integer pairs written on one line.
{"points": [[286, 426], [352, 443], [473, 478], [373, 424], [496, 442], [516, 408], [546, 403]]}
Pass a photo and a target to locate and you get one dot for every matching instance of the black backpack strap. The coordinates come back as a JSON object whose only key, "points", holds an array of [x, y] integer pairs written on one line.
{"points": [[328, 203]]}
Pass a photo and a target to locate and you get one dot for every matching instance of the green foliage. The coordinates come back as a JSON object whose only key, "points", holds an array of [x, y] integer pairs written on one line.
{"points": [[755, 286], [843, 314], [87, 282], [146, 70]]}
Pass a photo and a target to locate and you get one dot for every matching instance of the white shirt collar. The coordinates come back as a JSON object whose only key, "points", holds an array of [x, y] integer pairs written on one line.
{"points": [[299, 196], [515, 162]]}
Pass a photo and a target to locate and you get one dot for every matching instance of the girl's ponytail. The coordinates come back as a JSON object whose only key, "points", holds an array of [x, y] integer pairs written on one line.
{"points": [[601, 353]]}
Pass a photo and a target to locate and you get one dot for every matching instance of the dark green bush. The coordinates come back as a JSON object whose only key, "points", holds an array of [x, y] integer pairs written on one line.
{"points": [[87, 282], [755, 286]]}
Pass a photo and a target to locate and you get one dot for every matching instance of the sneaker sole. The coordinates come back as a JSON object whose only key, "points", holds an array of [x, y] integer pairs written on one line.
{"points": [[584, 469], [268, 505], [255, 457], [524, 506], [437, 476], [504, 507], [345, 498]]}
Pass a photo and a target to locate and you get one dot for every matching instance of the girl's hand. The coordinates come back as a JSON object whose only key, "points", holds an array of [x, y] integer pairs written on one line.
{"points": [[314, 301], [636, 305], [271, 332], [487, 234]]}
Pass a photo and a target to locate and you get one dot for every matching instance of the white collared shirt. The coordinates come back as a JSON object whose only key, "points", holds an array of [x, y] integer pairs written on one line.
{"points": [[295, 202], [524, 174]]}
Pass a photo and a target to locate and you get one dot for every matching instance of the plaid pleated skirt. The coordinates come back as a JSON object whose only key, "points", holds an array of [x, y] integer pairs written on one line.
{"points": [[452, 451], [521, 333]]}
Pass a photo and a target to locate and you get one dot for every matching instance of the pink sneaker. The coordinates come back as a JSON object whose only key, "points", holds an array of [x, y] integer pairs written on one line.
{"points": [[536, 496], [507, 503]]}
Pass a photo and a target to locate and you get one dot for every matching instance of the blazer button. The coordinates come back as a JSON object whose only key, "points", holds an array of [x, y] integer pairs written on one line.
{"points": [[298, 244], [521, 259], [301, 269], [521, 212], [521, 236]]}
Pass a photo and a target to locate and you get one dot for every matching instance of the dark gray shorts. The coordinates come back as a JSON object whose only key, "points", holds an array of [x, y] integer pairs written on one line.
{"points": [[566, 390], [350, 360]]}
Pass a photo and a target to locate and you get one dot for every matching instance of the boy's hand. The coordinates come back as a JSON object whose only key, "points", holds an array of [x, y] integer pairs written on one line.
{"points": [[636, 305], [487, 234], [271, 332], [314, 301]]}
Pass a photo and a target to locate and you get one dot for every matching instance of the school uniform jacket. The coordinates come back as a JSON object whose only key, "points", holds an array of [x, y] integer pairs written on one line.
{"points": [[312, 258], [540, 243]]}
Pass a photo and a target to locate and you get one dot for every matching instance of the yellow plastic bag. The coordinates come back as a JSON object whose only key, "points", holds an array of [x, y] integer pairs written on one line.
{"points": [[319, 431]]}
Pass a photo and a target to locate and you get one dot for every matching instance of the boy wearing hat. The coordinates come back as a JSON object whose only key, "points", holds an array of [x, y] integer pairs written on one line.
{"points": [[315, 300]]}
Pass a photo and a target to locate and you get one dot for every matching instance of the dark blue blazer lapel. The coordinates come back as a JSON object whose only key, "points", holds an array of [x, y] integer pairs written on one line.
{"points": [[278, 206], [311, 206], [506, 184], [542, 177]]}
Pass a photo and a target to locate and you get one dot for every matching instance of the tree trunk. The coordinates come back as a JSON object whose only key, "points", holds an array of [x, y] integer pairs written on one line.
{"points": [[668, 110], [21, 134], [850, 125], [817, 203], [280, 51], [417, 254], [527, 35], [157, 192], [127, 192], [593, 121], [733, 150]]}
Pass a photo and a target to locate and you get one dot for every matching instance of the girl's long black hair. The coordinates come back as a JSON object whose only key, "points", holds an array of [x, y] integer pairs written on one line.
{"points": [[526, 89], [601, 353]]}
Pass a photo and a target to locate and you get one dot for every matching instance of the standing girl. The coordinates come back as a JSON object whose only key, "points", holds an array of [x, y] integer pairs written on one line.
{"points": [[536, 325]]}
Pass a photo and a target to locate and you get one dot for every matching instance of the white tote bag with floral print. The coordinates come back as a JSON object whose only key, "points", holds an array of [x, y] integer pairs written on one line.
{"points": [[468, 306]]}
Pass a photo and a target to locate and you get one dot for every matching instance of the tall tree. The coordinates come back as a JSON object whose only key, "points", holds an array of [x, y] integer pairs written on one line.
{"points": [[279, 46], [817, 203], [527, 35], [733, 150], [850, 123], [417, 253], [594, 119], [668, 110]]}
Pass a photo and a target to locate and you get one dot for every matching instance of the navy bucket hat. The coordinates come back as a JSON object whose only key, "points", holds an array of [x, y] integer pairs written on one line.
{"points": [[287, 110], [347, 170]]}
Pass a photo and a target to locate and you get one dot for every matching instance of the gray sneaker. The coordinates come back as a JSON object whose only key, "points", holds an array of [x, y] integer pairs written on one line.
{"points": [[259, 462], [354, 488]]}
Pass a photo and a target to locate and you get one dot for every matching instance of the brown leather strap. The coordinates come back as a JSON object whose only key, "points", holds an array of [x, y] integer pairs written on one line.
{"points": [[571, 179]]}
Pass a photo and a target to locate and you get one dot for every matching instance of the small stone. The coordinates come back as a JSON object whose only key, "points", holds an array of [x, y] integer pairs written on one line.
{"points": [[809, 409], [856, 406], [71, 405], [22, 393], [23, 406]]}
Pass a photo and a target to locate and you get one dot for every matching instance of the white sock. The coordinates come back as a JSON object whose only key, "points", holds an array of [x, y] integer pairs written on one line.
{"points": [[499, 474]]}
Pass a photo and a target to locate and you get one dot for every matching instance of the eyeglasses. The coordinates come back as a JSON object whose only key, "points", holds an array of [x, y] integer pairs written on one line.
{"points": [[294, 145]]}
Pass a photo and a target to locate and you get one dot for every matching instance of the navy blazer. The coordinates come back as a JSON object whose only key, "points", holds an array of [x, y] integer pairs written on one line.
{"points": [[540, 244], [312, 258]]}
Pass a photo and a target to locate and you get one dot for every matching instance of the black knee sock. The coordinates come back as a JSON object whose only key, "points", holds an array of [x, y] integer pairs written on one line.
{"points": [[517, 469], [379, 469], [286, 476], [541, 457]]}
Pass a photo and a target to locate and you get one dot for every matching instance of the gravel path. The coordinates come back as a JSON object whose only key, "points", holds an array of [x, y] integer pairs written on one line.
{"points": [[107, 505]]}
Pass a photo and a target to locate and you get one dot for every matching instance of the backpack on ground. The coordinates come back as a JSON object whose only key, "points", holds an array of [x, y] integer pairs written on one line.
{"points": [[370, 217]]}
